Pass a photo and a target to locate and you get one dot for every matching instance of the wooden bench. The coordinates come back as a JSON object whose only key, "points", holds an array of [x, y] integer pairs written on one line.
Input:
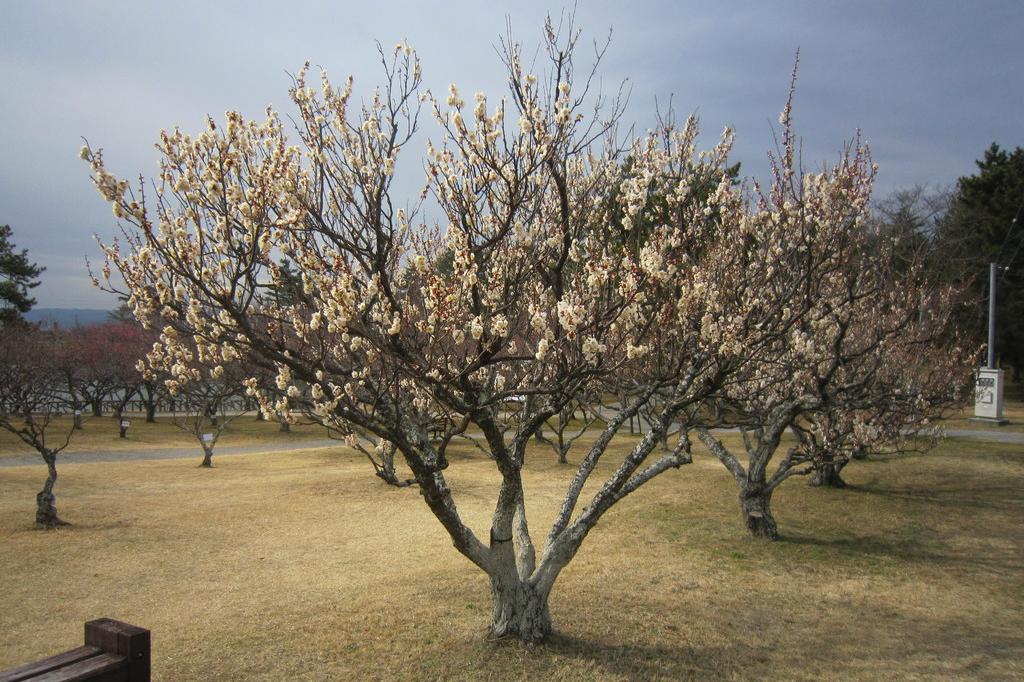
{"points": [[113, 652]]}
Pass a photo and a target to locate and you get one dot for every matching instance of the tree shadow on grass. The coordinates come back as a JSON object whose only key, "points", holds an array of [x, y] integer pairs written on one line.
{"points": [[933, 646], [915, 550], [650, 662], [946, 494]]}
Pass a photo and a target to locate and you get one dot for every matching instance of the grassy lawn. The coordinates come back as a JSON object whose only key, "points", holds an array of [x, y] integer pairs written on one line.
{"points": [[101, 434], [304, 566]]}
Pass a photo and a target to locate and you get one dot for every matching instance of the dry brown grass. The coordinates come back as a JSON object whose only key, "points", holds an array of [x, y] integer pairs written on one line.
{"points": [[303, 566], [1013, 411], [101, 434]]}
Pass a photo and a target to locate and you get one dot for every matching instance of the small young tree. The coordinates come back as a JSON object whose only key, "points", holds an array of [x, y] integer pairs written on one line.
{"points": [[31, 400], [567, 428], [206, 392]]}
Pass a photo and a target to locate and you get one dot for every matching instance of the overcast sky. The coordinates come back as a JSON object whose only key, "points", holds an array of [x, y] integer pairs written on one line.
{"points": [[930, 84]]}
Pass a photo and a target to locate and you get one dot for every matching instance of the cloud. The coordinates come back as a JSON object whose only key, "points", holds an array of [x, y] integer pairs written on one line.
{"points": [[930, 84]]}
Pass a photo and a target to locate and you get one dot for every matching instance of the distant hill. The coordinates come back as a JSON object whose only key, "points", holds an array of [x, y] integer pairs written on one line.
{"points": [[68, 317]]}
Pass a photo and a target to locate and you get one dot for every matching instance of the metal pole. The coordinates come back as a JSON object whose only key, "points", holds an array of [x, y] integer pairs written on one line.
{"points": [[991, 315]]}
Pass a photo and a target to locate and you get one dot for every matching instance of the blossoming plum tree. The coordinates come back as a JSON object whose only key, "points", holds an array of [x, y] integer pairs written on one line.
{"points": [[863, 350], [414, 332]]}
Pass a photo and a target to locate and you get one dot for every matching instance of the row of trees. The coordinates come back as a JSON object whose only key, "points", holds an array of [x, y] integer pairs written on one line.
{"points": [[48, 376], [561, 264]]}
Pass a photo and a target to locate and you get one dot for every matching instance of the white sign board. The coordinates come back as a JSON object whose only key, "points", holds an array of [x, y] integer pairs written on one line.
{"points": [[988, 395], [125, 423], [207, 437]]}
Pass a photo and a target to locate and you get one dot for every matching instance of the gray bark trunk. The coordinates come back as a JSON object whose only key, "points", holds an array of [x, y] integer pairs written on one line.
{"points": [[518, 610], [755, 505], [539, 434], [285, 427], [826, 474], [207, 457], [46, 507], [386, 469]]}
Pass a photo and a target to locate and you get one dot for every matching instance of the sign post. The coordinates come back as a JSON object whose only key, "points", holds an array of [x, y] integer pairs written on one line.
{"points": [[988, 396], [988, 381]]}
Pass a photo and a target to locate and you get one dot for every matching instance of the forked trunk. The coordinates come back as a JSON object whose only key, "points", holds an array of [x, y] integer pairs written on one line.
{"points": [[386, 469], [755, 505], [46, 507], [827, 475], [518, 610], [207, 457], [563, 455]]}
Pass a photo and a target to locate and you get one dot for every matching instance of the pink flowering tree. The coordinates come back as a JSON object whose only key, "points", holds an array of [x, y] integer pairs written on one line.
{"points": [[98, 364]]}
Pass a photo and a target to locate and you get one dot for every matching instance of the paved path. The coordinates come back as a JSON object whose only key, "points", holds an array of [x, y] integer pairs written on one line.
{"points": [[172, 453], [978, 434], [315, 444]]}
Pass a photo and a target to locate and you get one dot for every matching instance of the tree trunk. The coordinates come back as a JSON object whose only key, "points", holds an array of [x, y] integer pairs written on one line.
{"points": [[538, 435], [78, 420], [562, 455], [755, 505], [386, 469], [207, 457], [518, 610], [151, 413], [97, 408], [285, 427], [826, 474], [46, 507]]}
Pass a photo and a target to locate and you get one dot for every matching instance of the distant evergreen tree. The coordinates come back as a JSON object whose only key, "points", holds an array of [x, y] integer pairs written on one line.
{"points": [[984, 226], [17, 276], [122, 313], [287, 289]]}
